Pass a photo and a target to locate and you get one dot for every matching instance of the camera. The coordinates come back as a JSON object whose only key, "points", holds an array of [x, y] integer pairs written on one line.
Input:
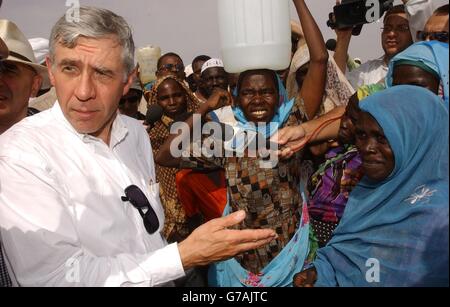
{"points": [[355, 13]]}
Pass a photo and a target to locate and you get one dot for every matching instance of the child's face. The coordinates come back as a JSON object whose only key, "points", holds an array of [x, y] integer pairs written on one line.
{"points": [[347, 129]]}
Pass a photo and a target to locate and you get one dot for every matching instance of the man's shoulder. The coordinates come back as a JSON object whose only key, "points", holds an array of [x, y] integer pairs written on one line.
{"points": [[31, 130], [132, 124]]}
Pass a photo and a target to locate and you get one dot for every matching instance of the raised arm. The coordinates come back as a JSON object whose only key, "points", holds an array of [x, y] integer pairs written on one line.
{"points": [[313, 87]]}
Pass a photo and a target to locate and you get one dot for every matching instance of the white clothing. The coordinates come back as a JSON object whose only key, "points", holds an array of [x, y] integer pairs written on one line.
{"points": [[62, 219], [418, 11], [371, 72], [375, 71]]}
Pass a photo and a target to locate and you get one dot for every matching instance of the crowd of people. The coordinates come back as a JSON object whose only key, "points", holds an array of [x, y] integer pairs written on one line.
{"points": [[93, 193]]}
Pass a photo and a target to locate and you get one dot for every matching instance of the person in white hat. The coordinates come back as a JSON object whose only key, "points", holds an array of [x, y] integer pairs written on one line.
{"points": [[214, 75], [129, 103], [80, 204], [20, 76], [190, 78], [5, 281]]}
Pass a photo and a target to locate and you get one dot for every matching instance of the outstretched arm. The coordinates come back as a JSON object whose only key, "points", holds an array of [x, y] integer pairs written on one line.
{"points": [[313, 87], [218, 99], [320, 129]]}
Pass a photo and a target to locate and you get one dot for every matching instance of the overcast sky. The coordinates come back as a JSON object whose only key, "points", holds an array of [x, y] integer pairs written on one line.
{"points": [[187, 27]]}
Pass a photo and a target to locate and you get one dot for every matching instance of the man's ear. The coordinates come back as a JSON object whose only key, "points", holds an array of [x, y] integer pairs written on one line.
{"points": [[129, 81], [49, 69], [36, 86]]}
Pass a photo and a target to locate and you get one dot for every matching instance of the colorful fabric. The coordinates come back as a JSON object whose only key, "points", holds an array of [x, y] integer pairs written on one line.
{"points": [[331, 185], [270, 196], [337, 89], [367, 90], [278, 273], [434, 55], [202, 193], [395, 232], [176, 225]]}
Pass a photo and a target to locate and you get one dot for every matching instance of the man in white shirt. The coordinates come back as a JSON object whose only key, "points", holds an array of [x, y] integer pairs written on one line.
{"points": [[67, 215], [399, 30]]}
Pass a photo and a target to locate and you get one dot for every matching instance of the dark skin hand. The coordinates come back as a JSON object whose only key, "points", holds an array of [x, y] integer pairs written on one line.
{"points": [[305, 279]]}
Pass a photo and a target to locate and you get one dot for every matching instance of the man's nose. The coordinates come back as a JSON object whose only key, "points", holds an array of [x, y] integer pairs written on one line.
{"points": [[85, 89]]}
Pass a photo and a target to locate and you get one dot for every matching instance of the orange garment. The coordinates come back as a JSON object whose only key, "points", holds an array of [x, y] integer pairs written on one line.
{"points": [[201, 192]]}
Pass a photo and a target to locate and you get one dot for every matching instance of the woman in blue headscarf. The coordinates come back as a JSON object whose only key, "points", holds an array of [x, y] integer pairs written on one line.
{"points": [[394, 231], [424, 64]]}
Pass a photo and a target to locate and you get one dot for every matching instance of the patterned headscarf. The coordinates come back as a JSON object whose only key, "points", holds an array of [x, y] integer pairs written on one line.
{"points": [[337, 89], [193, 101]]}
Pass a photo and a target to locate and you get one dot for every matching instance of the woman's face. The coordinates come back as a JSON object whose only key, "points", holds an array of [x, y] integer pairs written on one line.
{"points": [[378, 160], [412, 75], [258, 97], [172, 98], [347, 128]]}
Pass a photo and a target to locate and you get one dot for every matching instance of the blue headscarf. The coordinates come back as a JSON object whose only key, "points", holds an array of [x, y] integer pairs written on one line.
{"points": [[432, 54], [399, 225]]}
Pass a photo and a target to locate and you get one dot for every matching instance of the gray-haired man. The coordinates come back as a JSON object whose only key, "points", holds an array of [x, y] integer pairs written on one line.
{"points": [[79, 202]]}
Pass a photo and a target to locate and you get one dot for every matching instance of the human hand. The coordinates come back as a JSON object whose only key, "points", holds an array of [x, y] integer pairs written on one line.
{"points": [[219, 99], [305, 279], [214, 242], [291, 139]]}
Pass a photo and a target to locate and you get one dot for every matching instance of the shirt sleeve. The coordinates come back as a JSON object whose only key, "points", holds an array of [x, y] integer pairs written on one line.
{"points": [[41, 239], [418, 11]]}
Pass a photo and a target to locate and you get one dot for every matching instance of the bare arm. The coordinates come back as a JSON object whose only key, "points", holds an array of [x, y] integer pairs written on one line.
{"points": [[320, 129], [164, 156], [342, 44], [313, 87]]}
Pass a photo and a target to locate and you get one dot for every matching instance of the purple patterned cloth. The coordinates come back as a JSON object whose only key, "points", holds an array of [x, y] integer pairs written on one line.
{"points": [[331, 185]]}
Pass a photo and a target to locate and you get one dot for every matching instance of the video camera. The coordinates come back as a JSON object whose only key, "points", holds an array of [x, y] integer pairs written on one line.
{"points": [[356, 13]]}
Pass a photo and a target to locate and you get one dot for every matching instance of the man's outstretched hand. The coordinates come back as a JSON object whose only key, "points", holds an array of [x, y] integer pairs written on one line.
{"points": [[214, 242]]}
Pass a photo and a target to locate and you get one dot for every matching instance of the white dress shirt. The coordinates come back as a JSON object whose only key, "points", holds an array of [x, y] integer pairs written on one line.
{"points": [[62, 219]]}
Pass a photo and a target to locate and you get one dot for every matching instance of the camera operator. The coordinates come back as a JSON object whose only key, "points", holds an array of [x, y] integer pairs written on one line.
{"points": [[400, 27]]}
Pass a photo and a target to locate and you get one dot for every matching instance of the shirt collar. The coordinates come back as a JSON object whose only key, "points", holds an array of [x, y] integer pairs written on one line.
{"points": [[118, 133]]}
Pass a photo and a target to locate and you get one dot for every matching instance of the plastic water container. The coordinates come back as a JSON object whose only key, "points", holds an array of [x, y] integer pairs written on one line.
{"points": [[255, 34], [148, 57]]}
